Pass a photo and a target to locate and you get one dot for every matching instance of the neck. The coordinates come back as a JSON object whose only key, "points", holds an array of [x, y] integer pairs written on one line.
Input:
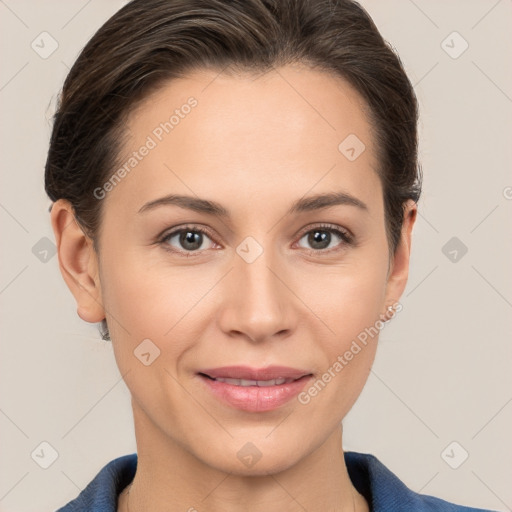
{"points": [[170, 478]]}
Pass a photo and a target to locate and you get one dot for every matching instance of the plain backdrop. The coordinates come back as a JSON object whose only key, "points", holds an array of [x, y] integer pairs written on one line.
{"points": [[440, 387]]}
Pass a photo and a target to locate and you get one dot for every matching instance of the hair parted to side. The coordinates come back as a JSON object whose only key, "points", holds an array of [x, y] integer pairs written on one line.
{"points": [[149, 42]]}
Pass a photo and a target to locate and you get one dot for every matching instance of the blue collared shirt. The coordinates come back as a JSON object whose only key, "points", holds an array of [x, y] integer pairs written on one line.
{"points": [[383, 490]]}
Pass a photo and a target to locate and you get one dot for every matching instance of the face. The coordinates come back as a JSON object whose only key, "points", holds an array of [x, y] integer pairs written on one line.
{"points": [[270, 277]]}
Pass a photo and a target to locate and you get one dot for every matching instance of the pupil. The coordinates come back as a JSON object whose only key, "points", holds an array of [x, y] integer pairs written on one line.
{"points": [[192, 238], [321, 239]]}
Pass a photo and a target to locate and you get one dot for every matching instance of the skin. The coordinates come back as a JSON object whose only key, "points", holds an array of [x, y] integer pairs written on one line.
{"points": [[254, 144]]}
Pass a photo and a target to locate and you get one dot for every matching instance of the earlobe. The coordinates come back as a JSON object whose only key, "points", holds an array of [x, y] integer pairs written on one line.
{"points": [[77, 262]]}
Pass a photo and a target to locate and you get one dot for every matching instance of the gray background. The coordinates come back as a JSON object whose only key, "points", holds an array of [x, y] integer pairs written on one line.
{"points": [[442, 372]]}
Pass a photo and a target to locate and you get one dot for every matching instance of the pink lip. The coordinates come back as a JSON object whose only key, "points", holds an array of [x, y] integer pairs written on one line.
{"points": [[255, 398]]}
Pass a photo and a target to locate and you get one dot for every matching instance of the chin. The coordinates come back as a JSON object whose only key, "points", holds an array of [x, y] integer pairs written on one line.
{"points": [[252, 459], [270, 466]]}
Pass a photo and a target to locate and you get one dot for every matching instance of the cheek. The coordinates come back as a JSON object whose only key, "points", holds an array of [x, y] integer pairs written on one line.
{"points": [[129, 298], [350, 302], [151, 301], [349, 298], [143, 304]]}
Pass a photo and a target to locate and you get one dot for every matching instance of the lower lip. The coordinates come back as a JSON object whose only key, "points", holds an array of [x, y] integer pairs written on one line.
{"points": [[255, 398]]}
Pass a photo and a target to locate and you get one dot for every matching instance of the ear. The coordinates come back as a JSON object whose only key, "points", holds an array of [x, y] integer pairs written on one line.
{"points": [[77, 262], [399, 266]]}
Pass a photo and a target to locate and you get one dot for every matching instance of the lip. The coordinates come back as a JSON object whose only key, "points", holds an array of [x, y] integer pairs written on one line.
{"points": [[249, 373], [254, 398]]}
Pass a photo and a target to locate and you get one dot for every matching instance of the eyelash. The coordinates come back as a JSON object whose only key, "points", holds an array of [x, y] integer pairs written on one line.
{"points": [[346, 237]]}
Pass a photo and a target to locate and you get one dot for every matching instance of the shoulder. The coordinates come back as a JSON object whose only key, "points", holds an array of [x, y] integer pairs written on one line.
{"points": [[384, 491], [102, 492]]}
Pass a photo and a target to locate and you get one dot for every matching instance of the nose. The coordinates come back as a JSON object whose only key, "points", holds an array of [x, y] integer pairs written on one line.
{"points": [[257, 304]]}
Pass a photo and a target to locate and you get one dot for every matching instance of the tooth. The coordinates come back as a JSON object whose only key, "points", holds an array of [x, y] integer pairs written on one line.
{"points": [[244, 382], [235, 382], [260, 383], [267, 382]]}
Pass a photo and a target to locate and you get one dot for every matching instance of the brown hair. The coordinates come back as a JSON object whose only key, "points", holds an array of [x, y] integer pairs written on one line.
{"points": [[149, 42]]}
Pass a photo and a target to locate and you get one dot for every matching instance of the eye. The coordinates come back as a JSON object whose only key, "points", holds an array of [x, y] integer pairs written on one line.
{"points": [[187, 239], [321, 238], [190, 241]]}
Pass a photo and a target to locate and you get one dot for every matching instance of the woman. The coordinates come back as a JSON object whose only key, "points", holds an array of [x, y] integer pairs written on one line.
{"points": [[235, 186]]}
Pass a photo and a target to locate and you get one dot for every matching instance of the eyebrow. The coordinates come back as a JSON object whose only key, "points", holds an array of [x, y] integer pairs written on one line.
{"points": [[307, 204]]}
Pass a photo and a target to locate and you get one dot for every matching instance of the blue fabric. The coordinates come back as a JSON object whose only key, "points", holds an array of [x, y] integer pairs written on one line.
{"points": [[382, 489]]}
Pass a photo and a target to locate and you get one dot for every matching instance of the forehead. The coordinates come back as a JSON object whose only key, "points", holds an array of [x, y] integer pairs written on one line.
{"points": [[288, 131]]}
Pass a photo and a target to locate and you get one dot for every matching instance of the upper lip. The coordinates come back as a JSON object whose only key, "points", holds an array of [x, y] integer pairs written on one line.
{"points": [[249, 373]]}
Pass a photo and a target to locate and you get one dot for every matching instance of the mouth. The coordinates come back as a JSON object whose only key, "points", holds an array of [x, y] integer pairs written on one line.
{"points": [[248, 382], [249, 374], [254, 390]]}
